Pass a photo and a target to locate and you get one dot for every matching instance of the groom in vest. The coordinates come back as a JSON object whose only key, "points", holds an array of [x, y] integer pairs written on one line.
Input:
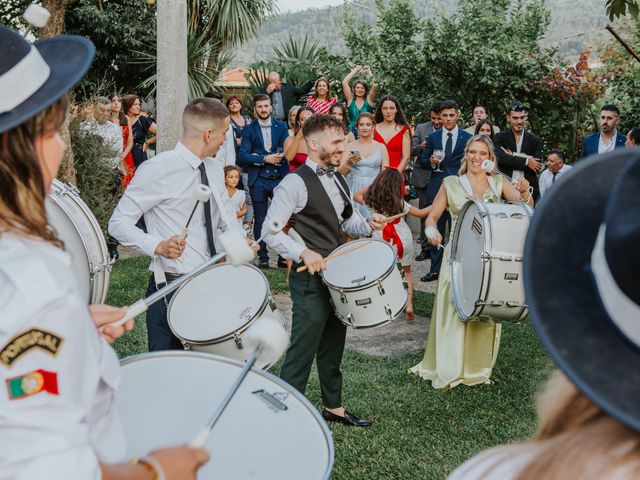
{"points": [[315, 199]]}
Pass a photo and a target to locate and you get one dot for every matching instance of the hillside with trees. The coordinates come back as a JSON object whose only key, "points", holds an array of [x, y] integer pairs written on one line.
{"points": [[575, 26]]}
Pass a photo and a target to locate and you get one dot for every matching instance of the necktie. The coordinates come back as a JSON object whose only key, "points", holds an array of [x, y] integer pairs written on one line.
{"points": [[448, 148], [553, 179], [207, 212], [329, 171]]}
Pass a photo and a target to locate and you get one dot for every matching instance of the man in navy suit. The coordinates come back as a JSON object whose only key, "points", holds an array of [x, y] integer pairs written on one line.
{"points": [[452, 140], [608, 138], [262, 152]]}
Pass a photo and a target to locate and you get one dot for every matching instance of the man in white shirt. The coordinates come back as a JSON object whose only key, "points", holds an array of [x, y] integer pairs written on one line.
{"points": [[555, 169], [110, 133], [316, 198], [162, 191]]}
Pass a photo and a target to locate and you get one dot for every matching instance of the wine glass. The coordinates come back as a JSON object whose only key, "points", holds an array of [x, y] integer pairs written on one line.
{"points": [[439, 154]]}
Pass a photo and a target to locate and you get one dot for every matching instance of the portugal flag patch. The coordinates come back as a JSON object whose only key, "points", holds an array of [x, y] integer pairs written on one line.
{"points": [[32, 383]]}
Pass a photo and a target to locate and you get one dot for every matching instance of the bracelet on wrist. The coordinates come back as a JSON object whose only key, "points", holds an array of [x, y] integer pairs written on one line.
{"points": [[152, 466]]}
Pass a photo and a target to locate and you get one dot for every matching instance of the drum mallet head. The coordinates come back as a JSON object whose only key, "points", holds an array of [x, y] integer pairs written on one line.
{"points": [[202, 193], [36, 16], [236, 247], [273, 228], [269, 339]]}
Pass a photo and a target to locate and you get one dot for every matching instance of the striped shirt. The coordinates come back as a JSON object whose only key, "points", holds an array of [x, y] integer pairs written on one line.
{"points": [[320, 106]]}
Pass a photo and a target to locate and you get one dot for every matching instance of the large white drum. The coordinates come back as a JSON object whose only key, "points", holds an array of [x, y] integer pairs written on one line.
{"points": [[268, 430], [214, 310], [487, 254], [78, 228], [366, 283]]}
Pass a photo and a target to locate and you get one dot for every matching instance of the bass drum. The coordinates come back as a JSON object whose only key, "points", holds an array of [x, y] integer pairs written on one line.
{"points": [[78, 228]]}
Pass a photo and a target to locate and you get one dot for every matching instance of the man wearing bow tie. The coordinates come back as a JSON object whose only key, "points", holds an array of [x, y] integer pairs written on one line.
{"points": [[262, 152], [316, 200]]}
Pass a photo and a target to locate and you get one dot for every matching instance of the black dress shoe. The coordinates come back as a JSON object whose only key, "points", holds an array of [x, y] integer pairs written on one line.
{"points": [[423, 255], [263, 264], [348, 419], [429, 277]]}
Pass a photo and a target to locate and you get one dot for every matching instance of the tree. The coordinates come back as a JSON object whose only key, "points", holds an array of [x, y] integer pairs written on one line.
{"points": [[618, 8]]}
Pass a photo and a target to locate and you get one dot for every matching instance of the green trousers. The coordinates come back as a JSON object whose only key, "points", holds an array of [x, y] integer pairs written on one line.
{"points": [[315, 333]]}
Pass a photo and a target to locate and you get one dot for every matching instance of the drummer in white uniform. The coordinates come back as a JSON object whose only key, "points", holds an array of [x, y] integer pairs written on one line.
{"points": [[162, 192], [57, 375]]}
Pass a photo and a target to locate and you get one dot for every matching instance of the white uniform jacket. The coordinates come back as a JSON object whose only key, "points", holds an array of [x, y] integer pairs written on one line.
{"points": [[57, 375]]}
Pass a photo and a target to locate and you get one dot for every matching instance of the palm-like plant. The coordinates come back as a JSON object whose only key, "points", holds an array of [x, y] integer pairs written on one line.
{"points": [[214, 27]]}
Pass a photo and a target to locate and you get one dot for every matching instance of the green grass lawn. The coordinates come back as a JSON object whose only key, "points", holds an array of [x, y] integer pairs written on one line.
{"points": [[419, 432]]}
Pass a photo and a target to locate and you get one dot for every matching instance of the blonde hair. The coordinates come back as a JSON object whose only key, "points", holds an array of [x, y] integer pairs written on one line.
{"points": [[575, 439], [22, 188], [482, 139]]}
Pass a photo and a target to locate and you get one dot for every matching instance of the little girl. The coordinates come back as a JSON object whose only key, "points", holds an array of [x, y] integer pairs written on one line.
{"points": [[235, 201], [383, 197]]}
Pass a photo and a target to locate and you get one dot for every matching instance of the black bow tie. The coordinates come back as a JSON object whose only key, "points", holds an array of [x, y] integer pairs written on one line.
{"points": [[329, 171]]}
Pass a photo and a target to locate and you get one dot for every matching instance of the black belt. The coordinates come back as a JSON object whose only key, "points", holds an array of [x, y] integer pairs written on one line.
{"points": [[170, 278]]}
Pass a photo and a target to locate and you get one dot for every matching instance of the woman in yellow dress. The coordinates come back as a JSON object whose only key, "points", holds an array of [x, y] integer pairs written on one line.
{"points": [[463, 352]]}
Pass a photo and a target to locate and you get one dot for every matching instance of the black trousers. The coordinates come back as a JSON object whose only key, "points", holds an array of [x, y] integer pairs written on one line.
{"points": [[159, 334]]}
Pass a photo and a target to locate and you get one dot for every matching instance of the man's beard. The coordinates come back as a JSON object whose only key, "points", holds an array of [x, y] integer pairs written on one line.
{"points": [[327, 158]]}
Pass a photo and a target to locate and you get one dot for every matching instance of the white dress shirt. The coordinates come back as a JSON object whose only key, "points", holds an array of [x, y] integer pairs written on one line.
{"points": [[546, 178], [265, 129], [111, 133], [606, 147], [162, 191], [227, 153], [290, 197], [63, 430], [454, 137]]}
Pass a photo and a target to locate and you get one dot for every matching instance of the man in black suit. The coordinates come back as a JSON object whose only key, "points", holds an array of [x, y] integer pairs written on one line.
{"points": [[519, 152], [420, 175], [283, 95]]}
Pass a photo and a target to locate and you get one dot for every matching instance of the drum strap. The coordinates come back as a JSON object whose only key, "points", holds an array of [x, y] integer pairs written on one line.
{"points": [[464, 181]]}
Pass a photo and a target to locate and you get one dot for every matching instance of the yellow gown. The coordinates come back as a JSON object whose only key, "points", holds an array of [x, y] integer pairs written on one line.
{"points": [[458, 352]]}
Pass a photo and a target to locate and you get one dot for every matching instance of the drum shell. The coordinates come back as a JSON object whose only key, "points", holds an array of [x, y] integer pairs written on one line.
{"points": [[375, 303], [501, 293], [78, 228], [230, 343], [167, 404]]}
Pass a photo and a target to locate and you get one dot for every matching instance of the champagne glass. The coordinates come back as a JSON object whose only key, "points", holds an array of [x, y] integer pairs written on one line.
{"points": [[439, 154]]}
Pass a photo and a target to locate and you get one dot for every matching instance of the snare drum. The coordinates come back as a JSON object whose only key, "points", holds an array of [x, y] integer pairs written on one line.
{"points": [[78, 228], [367, 284], [268, 431], [212, 311], [486, 254]]}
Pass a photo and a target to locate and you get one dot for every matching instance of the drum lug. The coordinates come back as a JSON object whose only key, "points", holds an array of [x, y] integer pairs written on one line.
{"points": [[101, 267], [343, 297], [186, 345], [388, 311], [516, 305], [272, 304], [486, 256], [518, 259], [350, 319], [492, 303], [380, 288], [238, 340], [503, 258]]}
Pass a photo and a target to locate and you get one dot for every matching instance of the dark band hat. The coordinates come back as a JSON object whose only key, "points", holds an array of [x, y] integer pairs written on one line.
{"points": [[33, 76], [582, 279]]}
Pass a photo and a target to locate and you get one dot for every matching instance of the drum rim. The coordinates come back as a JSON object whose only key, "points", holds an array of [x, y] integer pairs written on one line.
{"points": [[59, 190], [291, 390], [363, 286], [239, 330]]}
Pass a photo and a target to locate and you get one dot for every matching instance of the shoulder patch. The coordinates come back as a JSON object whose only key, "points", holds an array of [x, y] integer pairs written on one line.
{"points": [[32, 383], [25, 341]]}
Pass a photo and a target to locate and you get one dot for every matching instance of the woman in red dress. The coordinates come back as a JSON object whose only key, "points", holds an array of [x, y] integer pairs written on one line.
{"points": [[392, 130], [295, 148], [118, 116]]}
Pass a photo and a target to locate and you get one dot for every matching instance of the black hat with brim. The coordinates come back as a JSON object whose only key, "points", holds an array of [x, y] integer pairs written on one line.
{"points": [[68, 57], [564, 303]]}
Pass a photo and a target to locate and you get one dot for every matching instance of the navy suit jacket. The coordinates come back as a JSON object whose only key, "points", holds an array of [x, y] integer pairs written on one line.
{"points": [[590, 143], [449, 166], [252, 149]]}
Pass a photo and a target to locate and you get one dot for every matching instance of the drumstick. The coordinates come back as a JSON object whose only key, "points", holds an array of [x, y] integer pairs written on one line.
{"points": [[336, 255], [269, 341], [202, 194], [393, 217]]}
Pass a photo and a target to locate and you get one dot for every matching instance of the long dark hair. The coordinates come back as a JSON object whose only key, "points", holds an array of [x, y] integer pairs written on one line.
{"points": [[383, 194], [315, 85], [400, 118], [479, 126], [122, 118], [296, 123], [364, 85], [345, 115]]}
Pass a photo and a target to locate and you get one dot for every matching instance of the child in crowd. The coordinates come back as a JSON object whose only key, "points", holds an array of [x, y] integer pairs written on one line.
{"points": [[383, 196], [235, 200]]}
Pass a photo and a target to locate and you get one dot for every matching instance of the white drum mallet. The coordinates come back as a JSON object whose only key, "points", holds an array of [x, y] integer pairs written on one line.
{"points": [[36, 16], [432, 234], [268, 340], [202, 195]]}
